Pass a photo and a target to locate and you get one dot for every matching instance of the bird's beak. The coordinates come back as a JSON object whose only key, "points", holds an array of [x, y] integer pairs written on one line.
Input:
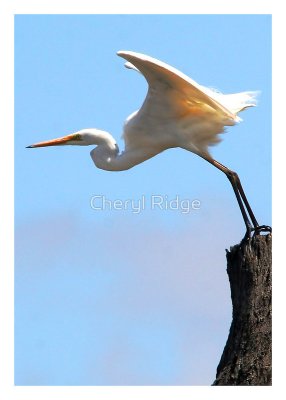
{"points": [[54, 142]]}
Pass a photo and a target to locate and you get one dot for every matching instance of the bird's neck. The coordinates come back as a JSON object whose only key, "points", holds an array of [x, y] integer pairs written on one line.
{"points": [[108, 157]]}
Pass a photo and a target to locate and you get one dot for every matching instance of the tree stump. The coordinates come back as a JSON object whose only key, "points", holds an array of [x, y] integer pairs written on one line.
{"points": [[246, 359]]}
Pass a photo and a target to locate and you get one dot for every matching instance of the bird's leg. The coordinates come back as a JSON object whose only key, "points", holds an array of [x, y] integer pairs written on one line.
{"points": [[241, 199], [232, 178], [236, 184], [257, 228]]}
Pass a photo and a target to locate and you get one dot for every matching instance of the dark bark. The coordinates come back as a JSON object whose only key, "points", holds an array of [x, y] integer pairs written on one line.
{"points": [[246, 359]]}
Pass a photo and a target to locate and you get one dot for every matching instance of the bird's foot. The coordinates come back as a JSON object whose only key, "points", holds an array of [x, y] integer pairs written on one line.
{"points": [[247, 235], [256, 231], [262, 228]]}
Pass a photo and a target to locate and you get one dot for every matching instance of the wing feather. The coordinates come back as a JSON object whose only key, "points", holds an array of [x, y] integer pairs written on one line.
{"points": [[173, 93], [177, 111]]}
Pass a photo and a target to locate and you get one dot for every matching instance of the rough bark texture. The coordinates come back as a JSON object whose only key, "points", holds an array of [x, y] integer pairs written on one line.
{"points": [[246, 359]]}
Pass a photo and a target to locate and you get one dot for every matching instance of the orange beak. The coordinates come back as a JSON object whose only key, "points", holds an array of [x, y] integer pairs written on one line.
{"points": [[53, 142]]}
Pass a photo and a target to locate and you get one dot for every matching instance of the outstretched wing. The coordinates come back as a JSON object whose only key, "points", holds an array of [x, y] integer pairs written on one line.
{"points": [[177, 111], [171, 93]]}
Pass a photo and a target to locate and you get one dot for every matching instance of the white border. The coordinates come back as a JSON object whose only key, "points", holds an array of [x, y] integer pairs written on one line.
{"points": [[7, 10], [136, 7]]}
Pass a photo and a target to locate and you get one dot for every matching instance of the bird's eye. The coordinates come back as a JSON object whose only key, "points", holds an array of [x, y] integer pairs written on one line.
{"points": [[77, 136]]}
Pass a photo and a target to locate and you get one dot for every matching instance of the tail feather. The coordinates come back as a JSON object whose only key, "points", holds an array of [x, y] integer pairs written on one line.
{"points": [[238, 102], [235, 102]]}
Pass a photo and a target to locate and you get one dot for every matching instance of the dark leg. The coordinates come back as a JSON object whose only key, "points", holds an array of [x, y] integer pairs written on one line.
{"points": [[235, 181], [241, 199], [257, 228]]}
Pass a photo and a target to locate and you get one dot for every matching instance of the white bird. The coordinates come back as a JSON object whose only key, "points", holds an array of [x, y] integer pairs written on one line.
{"points": [[177, 112]]}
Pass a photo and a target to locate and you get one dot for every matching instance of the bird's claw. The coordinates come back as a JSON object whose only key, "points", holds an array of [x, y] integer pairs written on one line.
{"points": [[247, 235], [262, 228], [256, 231]]}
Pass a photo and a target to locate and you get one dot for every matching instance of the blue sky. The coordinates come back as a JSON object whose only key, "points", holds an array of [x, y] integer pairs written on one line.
{"points": [[113, 297]]}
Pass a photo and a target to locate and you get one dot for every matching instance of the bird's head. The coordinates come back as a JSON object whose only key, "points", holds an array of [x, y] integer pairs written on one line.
{"points": [[85, 137]]}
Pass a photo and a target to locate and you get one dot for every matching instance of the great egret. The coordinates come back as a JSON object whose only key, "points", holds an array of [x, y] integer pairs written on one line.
{"points": [[177, 112]]}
